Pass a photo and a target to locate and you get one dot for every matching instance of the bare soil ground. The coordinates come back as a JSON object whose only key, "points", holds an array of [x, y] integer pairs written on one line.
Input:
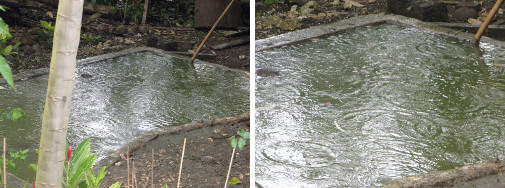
{"points": [[206, 158], [327, 11]]}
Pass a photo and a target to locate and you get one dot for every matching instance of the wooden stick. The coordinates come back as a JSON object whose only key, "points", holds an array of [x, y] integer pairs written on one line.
{"points": [[134, 176], [182, 159], [152, 168], [128, 165], [229, 168], [144, 15], [5, 167], [488, 19], [212, 29]]}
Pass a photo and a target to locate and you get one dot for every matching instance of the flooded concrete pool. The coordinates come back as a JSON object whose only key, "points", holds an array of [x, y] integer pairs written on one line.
{"points": [[378, 103], [116, 99]]}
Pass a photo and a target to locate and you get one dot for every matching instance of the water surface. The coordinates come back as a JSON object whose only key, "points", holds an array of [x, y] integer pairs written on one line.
{"points": [[124, 98], [372, 105]]}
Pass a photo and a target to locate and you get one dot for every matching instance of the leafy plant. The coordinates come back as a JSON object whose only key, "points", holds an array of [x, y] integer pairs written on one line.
{"points": [[13, 115], [5, 69], [47, 30], [93, 181], [9, 161], [240, 142], [78, 164], [88, 37]]}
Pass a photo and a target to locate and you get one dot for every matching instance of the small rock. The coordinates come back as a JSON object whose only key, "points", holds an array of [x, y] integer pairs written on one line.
{"points": [[347, 6], [121, 30], [183, 47], [118, 163], [309, 8], [464, 13], [293, 13], [84, 75], [241, 57], [168, 45], [152, 41], [103, 28], [217, 131], [34, 31]]}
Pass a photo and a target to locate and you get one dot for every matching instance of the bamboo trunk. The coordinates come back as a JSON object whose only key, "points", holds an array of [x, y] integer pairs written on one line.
{"points": [[59, 93]]}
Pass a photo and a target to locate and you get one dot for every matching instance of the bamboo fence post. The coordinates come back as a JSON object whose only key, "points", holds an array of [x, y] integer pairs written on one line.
{"points": [[229, 167], [182, 159], [152, 168], [488, 19], [5, 167], [212, 29], [128, 165]]}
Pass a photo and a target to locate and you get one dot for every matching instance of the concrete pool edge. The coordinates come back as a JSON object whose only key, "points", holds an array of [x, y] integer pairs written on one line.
{"points": [[94, 59], [359, 22]]}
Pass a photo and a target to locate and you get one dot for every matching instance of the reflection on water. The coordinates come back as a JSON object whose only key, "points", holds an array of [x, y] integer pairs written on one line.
{"points": [[376, 104], [124, 98]]}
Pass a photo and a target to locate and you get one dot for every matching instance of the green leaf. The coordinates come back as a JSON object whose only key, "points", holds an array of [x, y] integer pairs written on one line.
{"points": [[234, 181], [231, 138], [6, 72], [234, 143], [80, 162], [45, 24], [247, 135], [33, 167], [165, 186], [16, 114], [4, 29], [241, 143], [116, 185], [2, 8], [241, 132], [7, 50]]}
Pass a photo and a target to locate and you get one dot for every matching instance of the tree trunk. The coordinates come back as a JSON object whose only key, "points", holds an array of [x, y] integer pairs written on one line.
{"points": [[59, 94]]}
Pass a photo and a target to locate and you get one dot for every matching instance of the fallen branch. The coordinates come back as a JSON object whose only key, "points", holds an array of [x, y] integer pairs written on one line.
{"points": [[447, 178], [233, 43]]}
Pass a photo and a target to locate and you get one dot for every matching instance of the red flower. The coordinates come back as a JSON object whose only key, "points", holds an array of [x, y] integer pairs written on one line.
{"points": [[69, 153], [33, 184]]}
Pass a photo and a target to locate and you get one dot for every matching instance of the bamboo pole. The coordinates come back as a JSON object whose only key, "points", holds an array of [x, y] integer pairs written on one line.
{"points": [[182, 159], [152, 168], [229, 167], [5, 167], [212, 29], [488, 19], [128, 165]]}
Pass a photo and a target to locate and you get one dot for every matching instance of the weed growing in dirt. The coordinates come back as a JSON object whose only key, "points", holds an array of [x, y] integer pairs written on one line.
{"points": [[47, 31], [240, 142]]}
